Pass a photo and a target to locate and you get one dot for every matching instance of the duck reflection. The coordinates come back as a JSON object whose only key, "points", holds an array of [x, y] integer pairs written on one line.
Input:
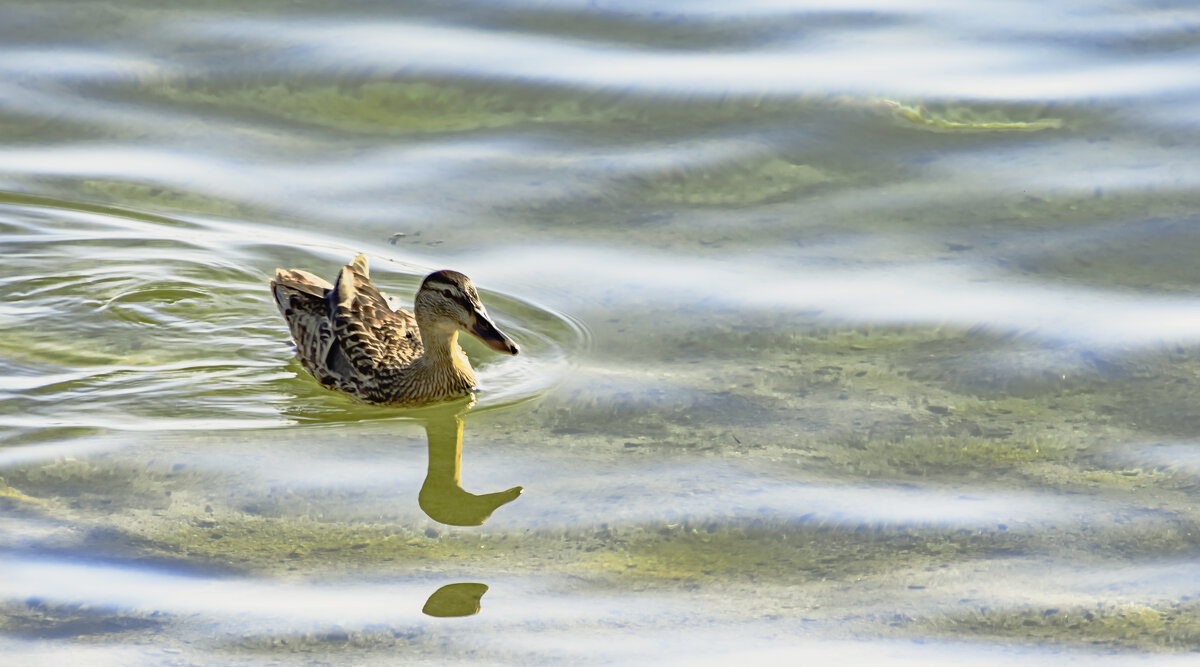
{"points": [[455, 600], [442, 496]]}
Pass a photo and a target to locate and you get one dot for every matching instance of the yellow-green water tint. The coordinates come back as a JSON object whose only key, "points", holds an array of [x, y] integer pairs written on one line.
{"points": [[1170, 626], [964, 118]]}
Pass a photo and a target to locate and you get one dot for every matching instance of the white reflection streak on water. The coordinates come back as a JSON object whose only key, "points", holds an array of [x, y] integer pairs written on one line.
{"points": [[354, 603], [61, 64], [401, 469], [11, 457], [631, 493], [708, 9], [212, 172], [50, 654], [404, 469], [921, 292], [1177, 457], [310, 186], [644, 493], [586, 627], [132, 588], [1071, 166], [871, 60], [66, 104], [1078, 16], [766, 644], [249, 602], [248, 606]]}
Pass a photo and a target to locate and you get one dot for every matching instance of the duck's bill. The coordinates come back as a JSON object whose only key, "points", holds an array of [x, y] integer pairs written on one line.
{"points": [[486, 331]]}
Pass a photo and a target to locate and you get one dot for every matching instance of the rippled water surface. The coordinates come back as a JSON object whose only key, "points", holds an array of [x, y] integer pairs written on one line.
{"points": [[852, 332]]}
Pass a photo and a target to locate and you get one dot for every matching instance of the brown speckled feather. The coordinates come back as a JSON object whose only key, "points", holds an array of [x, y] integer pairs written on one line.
{"points": [[370, 333], [302, 299], [348, 338]]}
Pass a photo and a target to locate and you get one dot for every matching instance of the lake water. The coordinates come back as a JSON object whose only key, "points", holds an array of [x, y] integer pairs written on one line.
{"points": [[852, 332]]}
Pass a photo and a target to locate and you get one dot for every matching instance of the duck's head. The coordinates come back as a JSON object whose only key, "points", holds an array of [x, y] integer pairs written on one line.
{"points": [[448, 300]]}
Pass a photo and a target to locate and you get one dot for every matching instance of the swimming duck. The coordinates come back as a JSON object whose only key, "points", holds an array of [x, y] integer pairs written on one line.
{"points": [[350, 338]]}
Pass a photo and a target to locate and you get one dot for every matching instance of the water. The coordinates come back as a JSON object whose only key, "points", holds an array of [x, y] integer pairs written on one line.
{"points": [[863, 332]]}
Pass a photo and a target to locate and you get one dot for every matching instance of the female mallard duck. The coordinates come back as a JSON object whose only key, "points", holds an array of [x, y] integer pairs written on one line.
{"points": [[351, 340]]}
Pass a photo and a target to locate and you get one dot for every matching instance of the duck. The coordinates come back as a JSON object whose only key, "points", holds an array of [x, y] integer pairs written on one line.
{"points": [[351, 339]]}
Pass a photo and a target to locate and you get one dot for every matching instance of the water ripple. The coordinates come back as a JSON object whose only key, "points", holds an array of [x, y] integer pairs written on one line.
{"points": [[153, 323]]}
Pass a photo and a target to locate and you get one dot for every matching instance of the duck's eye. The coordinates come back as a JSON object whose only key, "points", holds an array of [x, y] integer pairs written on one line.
{"points": [[448, 294]]}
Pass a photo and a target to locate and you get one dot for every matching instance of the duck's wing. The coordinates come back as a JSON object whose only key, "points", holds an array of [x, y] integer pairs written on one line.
{"points": [[368, 334], [302, 298]]}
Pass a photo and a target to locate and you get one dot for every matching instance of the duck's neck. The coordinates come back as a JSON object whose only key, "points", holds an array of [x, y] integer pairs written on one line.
{"points": [[441, 345], [443, 362]]}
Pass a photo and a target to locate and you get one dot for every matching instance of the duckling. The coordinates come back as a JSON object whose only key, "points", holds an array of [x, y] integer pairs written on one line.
{"points": [[351, 340]]}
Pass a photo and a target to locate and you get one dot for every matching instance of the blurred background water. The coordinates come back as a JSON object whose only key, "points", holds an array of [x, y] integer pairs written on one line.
{"points": [[862, 332]]}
